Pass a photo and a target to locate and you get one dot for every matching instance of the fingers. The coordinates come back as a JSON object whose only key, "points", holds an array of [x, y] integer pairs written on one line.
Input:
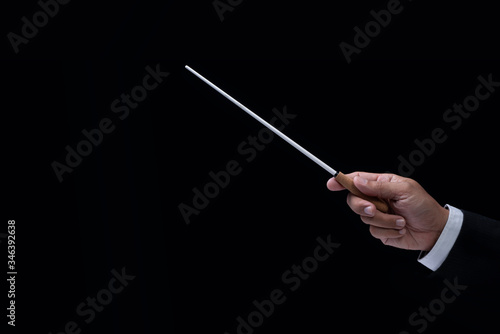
{"points": [[333, 185], [385, 221], [372, 176], [386, 186], [371, 216], [382, 225], [385, 234]]}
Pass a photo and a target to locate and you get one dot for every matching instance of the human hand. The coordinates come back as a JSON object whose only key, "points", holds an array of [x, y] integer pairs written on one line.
{"points": [[416, 219]]}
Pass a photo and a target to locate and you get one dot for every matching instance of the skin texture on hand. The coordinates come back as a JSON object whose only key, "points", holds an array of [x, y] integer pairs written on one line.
{"points": [[416, 220]]}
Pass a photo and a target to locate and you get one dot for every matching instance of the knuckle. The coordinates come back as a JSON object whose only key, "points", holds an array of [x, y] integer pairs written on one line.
{"points": [[367, 220], [408, 186], [348, 199], [384, 240], [352, 201], [373, 231]]}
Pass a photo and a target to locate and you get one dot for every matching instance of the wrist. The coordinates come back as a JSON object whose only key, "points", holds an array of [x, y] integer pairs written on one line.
{"points": [[439, 224], [439, 251]]}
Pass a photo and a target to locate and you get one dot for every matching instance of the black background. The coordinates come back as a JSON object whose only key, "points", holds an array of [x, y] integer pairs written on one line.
{"points": [[119, 207]]}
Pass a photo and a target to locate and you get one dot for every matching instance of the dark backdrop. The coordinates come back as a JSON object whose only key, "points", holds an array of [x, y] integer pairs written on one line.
{"points": [[119, 207]]}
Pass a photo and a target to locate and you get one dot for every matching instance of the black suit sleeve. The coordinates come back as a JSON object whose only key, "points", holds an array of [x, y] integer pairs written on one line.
{"points": [[472, 272], [475, 257]]}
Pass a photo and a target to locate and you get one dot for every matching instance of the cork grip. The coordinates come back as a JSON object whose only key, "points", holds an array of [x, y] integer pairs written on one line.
{"points": [[348, 183]]}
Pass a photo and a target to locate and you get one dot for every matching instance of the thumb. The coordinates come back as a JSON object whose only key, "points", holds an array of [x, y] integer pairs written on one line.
{"points": [[390, 188]]}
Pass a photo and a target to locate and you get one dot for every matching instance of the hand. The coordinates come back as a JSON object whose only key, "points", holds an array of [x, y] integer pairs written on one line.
{"points": [[416, 220]]}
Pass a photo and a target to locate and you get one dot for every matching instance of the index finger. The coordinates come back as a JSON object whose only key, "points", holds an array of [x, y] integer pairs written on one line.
{"points": [[333, 185]]}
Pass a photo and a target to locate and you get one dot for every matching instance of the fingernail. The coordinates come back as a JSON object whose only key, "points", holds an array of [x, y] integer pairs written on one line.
{"points": [[400, 222], [368, 210], [402, 231], [362, 180]]}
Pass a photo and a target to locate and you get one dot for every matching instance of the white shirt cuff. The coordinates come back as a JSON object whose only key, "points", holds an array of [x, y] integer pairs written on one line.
{"points": [[436, 256]]}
